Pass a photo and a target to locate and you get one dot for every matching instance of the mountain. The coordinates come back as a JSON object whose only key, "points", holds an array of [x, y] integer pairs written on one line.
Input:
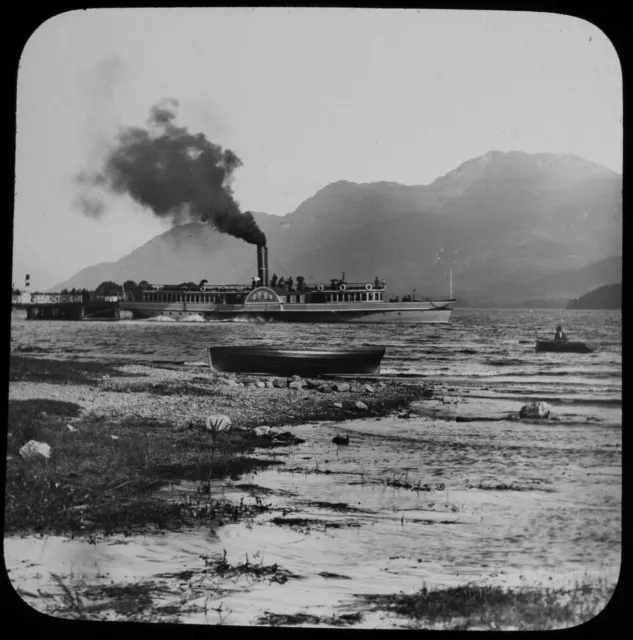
{"points": [[607, 297], [512, 226]]}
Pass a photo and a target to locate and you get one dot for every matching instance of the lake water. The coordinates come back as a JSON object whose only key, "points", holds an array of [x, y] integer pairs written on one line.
{"points": [[560, 522]]}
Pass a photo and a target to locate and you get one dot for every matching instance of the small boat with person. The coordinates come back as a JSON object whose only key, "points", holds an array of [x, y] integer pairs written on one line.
{"points": [[565, 346], [288, 361]]}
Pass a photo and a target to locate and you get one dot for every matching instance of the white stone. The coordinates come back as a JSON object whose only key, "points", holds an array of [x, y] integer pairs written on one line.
{"points": [[535, 410], [361, 405], [218, 422], [33, 448]]}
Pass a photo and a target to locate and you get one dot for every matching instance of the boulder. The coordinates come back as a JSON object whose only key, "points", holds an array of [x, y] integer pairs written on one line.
{"points": [[248, 380], [261, 385], [538, 410], [325, 388], [341, 386], [71, 428], [296, 384], [295, 379], [262, 431], [311, 384], [280, 383], [338, 404], [361, 405], [357, 387], [368, 388], [218, 422], [35, 449], [268, 384], [227, 382]]}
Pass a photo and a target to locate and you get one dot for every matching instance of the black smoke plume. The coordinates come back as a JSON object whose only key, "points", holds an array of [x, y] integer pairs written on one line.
{"points": [[174, 173]]}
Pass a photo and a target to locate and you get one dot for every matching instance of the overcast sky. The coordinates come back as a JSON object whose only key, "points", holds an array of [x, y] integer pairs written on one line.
{"points": [[304, 97]]}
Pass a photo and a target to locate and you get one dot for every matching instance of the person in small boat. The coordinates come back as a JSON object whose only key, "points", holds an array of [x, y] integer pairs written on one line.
{"points": [[560, 335]]}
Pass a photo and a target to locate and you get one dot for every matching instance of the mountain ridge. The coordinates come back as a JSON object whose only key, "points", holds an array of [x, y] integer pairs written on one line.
{"points": [[502, 221]]}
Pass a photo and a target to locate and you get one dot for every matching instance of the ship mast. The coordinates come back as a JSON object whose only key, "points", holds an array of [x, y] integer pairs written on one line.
{"points": [[450, 283]]}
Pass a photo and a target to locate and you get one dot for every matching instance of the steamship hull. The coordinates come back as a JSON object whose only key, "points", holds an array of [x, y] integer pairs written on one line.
{"points": [[270, 301], [387, 313]]}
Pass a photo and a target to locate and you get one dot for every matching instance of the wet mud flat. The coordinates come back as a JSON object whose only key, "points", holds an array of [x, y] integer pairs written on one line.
{"points": [[421, 521]]}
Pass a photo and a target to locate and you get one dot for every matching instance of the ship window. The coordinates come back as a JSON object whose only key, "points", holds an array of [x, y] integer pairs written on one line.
{"points": [[302, 298]]}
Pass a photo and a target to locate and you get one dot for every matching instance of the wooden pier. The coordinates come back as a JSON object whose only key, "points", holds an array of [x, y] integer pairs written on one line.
{"points": [[54, 306]]}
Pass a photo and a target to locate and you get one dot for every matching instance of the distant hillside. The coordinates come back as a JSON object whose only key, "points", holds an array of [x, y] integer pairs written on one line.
{"points": [[513, 226], [40, 280], [607, 297]]}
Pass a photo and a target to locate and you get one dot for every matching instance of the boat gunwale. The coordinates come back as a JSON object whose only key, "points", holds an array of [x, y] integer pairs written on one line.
{"points": [[358, 351]]}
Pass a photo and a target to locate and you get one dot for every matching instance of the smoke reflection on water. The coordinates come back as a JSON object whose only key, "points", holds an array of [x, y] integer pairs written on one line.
{"points": [[562, 522]]}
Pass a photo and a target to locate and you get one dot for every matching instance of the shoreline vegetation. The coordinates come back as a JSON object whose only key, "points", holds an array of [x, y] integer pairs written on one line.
{"points": [[118, 432]]}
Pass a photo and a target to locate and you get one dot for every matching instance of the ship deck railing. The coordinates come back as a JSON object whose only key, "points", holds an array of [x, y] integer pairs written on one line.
{"points": [[208, 288]]}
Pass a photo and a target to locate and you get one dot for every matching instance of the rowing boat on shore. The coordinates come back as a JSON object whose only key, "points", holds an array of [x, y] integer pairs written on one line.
{"points": [[303, 362]]}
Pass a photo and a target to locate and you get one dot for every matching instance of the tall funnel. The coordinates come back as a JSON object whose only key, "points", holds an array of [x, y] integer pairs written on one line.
{"points": [[262, 265], [265, 281]]}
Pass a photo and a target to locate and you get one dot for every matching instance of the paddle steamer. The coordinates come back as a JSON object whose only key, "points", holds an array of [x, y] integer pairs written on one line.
{"points": [[356, 302]]}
